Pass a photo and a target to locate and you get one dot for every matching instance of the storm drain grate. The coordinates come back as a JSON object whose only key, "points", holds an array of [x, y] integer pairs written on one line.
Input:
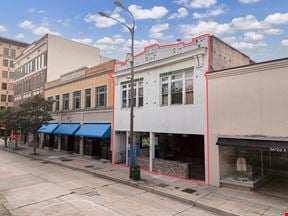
{"points": [[92, 193], [44, 162], [89, 166], [96, 168], [162, 185], [189, 190], [66, 159]]}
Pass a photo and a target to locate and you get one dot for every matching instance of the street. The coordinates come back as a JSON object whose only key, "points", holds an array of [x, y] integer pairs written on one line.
{"points": [[31, 187]]}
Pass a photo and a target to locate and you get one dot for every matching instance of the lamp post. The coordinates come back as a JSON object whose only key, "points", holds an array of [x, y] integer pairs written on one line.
{"points": [[134, 169]]}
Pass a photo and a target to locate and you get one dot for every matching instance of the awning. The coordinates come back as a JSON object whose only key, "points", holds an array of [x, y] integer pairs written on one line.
{"points": [[67, 129], [270, 145], [95, 130], [48, 128]]}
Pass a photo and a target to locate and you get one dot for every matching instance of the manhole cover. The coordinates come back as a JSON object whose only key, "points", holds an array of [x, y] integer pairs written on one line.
{"points": [[162, 185], [188, 190], [92, 193], [89, 166]]}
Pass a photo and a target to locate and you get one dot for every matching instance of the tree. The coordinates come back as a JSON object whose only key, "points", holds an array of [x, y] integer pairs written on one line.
{"points": [[9, 121], [33, 113]]}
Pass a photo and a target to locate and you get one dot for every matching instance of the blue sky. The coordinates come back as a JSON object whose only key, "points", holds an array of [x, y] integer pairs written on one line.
{"points": [[259, 28]]}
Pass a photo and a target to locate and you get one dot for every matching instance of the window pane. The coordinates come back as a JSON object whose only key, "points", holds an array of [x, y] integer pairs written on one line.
{"points": [[189, 74], [11, 64], [10, 98], [57, 103], [176, 92], [77, 100], [13, 53], [4, 74], [87, 98], [5, 62], [176, 76], [189, 91], [124, 98], [6, 52], [3, 98], [165, 94], [4, 86]]}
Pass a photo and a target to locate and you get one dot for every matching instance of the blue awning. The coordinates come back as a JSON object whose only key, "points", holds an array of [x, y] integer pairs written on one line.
{"points": [[67, 129], [95, 130], [48, 128]]}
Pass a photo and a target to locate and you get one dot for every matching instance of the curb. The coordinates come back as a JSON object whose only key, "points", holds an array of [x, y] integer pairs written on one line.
{"points": [[129, 183]]}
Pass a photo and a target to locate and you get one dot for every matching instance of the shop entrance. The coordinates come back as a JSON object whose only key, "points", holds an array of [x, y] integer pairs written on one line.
{"points": [[260, 165]]}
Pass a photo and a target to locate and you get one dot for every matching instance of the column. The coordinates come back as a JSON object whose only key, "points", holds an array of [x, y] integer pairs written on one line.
{"points": [[81, 151], [59, 143], [41, 140], [127, 147], [151, 150]]}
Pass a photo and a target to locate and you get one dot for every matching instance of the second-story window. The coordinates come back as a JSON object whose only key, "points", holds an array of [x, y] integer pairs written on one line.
{"points": [[65, 102], [4, 74], [77, 100], [12, 53], [50, 107], [138, 94], [87, 98], [6, 52], [177, 88], [57, 103], [101, 96]]}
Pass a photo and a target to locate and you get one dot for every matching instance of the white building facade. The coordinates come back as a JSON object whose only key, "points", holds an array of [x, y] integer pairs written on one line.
{"points": [[46, 60], [170, 121]]}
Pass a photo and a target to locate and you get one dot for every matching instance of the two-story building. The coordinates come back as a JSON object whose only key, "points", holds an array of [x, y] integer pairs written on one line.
{"points": [[170, 100], [82, 112], [48, 58]]}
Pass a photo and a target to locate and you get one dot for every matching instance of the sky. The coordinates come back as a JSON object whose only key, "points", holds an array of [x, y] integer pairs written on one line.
{"points": [[258, 28]]}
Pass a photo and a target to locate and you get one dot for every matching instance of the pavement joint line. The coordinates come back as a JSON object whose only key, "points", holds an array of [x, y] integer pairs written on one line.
{"points": [[34, 203], [126, 182]]}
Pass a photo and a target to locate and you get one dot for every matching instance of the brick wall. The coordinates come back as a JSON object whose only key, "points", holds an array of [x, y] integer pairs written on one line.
{"points": [[172, 168]]}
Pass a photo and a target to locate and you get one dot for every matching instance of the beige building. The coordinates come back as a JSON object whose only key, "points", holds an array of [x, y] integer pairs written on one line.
{"points": [[9, 50], [248, 125], [47, 59], [83, 98]]}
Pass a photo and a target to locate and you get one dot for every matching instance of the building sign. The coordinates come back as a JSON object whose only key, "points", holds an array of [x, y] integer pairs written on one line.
{"points": [[278, 149]]}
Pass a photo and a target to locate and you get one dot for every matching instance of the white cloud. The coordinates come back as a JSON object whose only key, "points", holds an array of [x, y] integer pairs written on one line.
{"points": [[277, 19], [247, 45], [34, 10], [114, 40], [65, 22], [42, 30], [3, 28], [157, 31], [230, 39], [284, 43], [273, 31], [196, 3], [253, 36], [190, 31], [37, 30], [248, 1], [210, 13], [181, 13], [87, 41], [156, 12], [19, 36], [248, 22], [27, 24], [103, 22]]}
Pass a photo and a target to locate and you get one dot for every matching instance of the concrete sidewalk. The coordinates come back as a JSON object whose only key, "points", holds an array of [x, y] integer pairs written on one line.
{"points": [[223, 201]]}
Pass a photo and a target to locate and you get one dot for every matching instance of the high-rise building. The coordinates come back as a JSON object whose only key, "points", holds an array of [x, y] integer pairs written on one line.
{"points": [[9, 50], [46, 60]]}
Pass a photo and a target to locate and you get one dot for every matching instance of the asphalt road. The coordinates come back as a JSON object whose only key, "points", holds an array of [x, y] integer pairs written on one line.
{"points": [[31, 187]]}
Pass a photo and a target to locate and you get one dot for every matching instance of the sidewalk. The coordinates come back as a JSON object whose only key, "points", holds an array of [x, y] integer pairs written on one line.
{"points": [[223, 201]]}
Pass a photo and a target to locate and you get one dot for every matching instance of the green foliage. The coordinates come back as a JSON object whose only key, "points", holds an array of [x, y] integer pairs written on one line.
{"points": [[33, 113]]}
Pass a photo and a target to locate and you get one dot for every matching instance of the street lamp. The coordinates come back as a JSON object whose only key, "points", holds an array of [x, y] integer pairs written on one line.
{"points": [[134, 169]]}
